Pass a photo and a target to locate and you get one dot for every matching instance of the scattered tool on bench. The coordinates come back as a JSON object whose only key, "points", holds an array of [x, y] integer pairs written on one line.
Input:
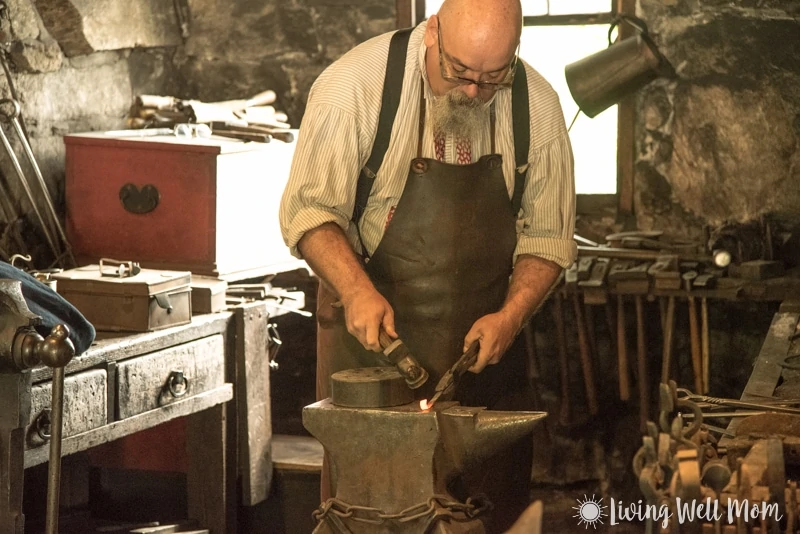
{"points": [[447, 384]]}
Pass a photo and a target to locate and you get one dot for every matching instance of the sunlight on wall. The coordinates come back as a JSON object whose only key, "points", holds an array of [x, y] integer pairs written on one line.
{"points": [[548, 49]]}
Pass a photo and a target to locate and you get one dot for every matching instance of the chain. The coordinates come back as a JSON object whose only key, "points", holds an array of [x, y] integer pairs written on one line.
{"points": [[437, 507]]}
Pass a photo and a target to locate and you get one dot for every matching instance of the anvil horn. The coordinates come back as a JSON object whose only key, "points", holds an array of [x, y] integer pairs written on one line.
{"points": [[471, 435]]}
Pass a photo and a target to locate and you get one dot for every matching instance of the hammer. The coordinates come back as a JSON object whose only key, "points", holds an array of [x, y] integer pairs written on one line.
{"points": [[397, 352], [400, 356]]}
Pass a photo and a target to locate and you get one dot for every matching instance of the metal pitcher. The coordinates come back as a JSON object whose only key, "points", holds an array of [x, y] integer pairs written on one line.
{"points": [[602, 79]]}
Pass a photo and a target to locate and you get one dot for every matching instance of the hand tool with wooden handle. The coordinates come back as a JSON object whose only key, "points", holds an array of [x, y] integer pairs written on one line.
{"points": [[400, 356], [641, 362], [397, 352], [447, 384], [694, 332], [622, 351], [563, 360], [586, 356]]}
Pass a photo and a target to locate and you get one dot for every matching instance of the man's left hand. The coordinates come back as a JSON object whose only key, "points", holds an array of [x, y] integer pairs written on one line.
{"points": [[495, 333]]}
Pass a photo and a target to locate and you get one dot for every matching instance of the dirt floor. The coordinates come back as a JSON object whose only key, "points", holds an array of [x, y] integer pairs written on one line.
{"points": [[561, 511]]}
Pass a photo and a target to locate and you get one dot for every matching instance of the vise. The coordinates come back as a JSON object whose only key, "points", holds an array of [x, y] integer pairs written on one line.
{"points": [[393, 464], [22, 348]]}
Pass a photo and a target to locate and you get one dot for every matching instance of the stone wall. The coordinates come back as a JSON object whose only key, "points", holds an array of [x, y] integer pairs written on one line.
{"points": [[720, 144], [76, 64]]}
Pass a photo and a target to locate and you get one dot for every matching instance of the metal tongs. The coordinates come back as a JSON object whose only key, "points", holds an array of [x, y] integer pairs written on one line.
{"points": [[447, 384], [767, 405], [10, 113]]}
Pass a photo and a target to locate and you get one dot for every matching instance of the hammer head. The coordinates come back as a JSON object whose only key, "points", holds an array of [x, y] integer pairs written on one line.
{"points": [[412, 372]]}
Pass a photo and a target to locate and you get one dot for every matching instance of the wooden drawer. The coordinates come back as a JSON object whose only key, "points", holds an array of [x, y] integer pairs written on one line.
{"points": [[85, 405], [144, 382]]}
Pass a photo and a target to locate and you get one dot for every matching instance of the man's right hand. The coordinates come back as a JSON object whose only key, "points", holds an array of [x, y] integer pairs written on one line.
{"points": [[365, 312]]}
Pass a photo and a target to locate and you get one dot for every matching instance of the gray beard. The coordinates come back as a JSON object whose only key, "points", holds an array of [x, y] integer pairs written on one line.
{"points": [[456, 113]]}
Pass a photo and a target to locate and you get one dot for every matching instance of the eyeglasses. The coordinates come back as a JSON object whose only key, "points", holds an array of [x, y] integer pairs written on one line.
{"points": [[502, 80]]}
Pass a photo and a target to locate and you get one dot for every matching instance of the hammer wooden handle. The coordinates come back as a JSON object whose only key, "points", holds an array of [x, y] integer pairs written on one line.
{"points": [[622, 351], [586, 357], [384, 339]]}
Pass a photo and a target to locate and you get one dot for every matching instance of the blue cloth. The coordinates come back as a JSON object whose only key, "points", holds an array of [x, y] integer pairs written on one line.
{"points": [[52, 308]]}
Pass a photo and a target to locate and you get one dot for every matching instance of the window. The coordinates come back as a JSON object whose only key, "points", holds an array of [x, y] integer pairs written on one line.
{"points": [[557, 33]]}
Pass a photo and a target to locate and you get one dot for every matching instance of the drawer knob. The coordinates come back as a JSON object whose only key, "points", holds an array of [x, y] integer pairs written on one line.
{"points": [[177, 384], [42, 424]]}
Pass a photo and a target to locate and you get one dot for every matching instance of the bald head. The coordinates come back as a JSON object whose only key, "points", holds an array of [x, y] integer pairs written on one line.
{"points": [[481, 34]]}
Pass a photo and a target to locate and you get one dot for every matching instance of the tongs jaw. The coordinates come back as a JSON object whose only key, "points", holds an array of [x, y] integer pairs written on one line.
{"points": [[447, 384]]}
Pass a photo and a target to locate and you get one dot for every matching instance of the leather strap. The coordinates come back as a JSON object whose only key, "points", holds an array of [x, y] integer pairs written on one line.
{"points": [[520, 111], [390, 101]]}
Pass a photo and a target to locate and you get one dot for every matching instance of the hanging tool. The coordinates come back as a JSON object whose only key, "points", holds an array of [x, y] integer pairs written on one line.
{"points": [[447, 384], [668, 327], [622, 351], [13, 117], [563, 360], [641, 360], [704, 343], [571, 284], [694, 332]]}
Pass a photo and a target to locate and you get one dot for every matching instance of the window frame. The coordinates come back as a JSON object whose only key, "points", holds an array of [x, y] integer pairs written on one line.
{"points": [[412, 12]]}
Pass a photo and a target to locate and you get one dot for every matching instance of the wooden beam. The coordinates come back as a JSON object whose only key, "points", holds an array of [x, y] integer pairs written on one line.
{"points": [[409, 12], [253, 402], [208, 497], [626, 125], [577, 19]]}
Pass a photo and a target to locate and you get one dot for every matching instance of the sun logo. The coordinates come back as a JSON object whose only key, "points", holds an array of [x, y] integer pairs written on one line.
{"points": [[590, 511]]}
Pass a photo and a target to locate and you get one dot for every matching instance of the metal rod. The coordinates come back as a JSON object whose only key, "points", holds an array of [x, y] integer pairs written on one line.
{"points": [[54, 468], [48, 200], [15, 162], [8, 207], [638, 254]]}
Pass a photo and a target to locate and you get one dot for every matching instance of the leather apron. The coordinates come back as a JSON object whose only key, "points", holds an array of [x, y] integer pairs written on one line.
{"points": [[444, 261]]}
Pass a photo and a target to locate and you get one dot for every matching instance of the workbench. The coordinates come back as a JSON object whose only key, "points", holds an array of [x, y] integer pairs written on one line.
{"points": [[126, 383]]}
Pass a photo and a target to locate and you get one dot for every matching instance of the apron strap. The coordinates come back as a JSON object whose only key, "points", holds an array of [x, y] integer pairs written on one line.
{"points": [[390, 101], [522, 133]]}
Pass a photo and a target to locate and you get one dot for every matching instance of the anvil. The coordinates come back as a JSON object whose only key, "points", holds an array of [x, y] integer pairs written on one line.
{"points": [[392, 459]]}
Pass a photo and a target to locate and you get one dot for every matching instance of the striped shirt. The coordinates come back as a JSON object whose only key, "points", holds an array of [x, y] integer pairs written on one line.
{"points": [[339, 127]]}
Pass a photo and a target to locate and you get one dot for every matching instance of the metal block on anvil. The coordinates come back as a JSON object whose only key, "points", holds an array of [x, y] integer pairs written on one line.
{"points": [[390, 463], [666, 273], [594, 289]]}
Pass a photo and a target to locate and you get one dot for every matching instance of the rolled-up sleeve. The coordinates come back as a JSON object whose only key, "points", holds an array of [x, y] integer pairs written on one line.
{"points": [[322, 181], [548, 204]]}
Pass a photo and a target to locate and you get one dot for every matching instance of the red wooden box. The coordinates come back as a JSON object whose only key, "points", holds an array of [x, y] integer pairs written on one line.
{"points": [[209, 206]]}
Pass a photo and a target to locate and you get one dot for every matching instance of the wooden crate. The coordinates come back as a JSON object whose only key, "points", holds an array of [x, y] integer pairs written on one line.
{"points": [[209, 206]]}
